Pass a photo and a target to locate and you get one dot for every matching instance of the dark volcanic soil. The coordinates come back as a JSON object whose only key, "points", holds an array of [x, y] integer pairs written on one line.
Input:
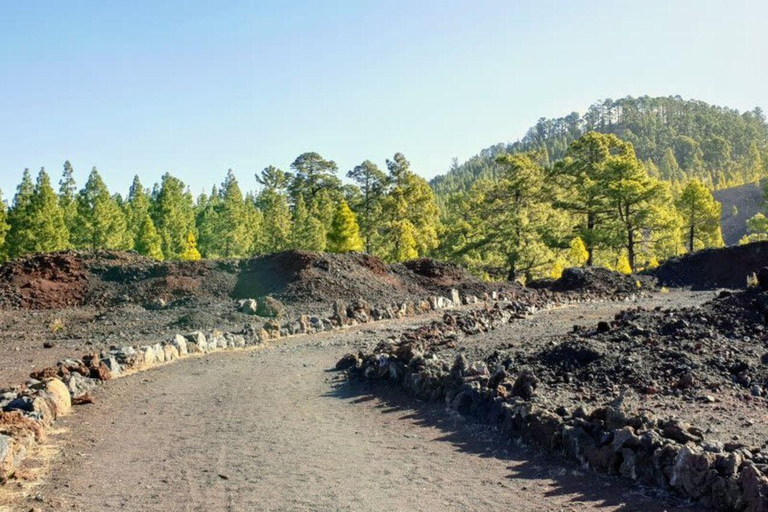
{"points": [[305, 280], [713, 268]]}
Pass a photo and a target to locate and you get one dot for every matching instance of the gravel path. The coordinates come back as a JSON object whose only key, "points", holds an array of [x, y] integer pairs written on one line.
{"points": [[276, 430]]}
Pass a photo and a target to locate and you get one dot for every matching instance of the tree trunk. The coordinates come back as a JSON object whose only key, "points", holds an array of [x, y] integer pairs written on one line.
{"points": [[690, 240], [590, 248], [630, 241], [512, 274]]}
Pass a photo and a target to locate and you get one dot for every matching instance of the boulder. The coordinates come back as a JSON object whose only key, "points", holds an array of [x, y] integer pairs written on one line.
{"points": [[455, 297], [127, 356], [249, 306], [60, 395], [11, 455], [271, 307], [235, 340], [157, 348], [112, 366], [196, 342], [171, 352], [180, 343], [79, 385], [149, 355], [217, 340], [762, 278]]}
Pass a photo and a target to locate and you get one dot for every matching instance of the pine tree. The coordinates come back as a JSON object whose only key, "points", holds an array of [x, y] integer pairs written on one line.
{"points": [[410, 217], [174, 215], [669, 168], [509, 222], [403, 236], [372, 183], [233, 222], [344, 235], [4, 227], [255, 222], [68, 196], [577, 254], [21, 238], [582, 179], [46, 218], [557, 270], [307, 233], [641, 205], [190, 252], [207, 210], [623, 265], [757, 229], [101, 222], [701, 217], [136, 210], [147, 241], [313, 173], [273, 203]]}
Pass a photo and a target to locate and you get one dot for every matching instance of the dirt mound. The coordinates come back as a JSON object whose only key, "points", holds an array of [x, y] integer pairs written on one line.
{"points": [[596, 280], [302, 277], [714, 268], [304, 280], [440, 277], [685, 351], [107, 278], [54, 280]]}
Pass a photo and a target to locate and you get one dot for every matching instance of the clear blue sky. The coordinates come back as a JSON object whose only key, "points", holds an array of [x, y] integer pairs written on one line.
{"points": [[196, 87]]}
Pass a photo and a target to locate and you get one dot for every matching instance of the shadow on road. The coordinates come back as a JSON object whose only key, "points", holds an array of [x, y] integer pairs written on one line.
{"points": [[563, 477]]}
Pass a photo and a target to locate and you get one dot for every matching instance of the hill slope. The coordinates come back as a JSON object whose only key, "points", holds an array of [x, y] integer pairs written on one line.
{"points": [[677, 138], [748, 200]]}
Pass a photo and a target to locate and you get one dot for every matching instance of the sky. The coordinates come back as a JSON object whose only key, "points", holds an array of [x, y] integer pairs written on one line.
{"points": [[197, 87]]}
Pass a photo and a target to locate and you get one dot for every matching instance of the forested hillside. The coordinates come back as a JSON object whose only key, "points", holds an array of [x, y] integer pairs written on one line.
{"points": [[676, 139], [390, 213]]}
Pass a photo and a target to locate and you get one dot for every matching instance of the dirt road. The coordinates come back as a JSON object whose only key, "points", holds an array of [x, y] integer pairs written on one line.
{"points": [[276, 430]]}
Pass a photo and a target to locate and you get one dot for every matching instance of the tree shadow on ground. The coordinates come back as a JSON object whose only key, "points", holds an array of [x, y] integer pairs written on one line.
{"points": [[525, 463]]}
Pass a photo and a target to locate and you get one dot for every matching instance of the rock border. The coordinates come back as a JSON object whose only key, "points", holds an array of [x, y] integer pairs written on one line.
{"points": [[661, 453]]}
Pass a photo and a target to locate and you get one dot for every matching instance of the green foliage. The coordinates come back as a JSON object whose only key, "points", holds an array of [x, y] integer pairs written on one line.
{"points": [[20, 235], [344, 235], [147, 241], [273, 203], [313, 174], [68, 196], [757, 229], [101, 223], [700, 215], [409, 214], [684, 139], [582, 177], [4, 227], [623, 265], [190, 252], [577, 254], [46, 218], [372, 182], [507, 222], [307, 232], [235, 237], [137, 209], [174, 216], [643, 207]]}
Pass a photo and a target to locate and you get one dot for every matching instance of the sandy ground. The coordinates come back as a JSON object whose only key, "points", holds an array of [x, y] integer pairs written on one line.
{"points": [[277, 430]]}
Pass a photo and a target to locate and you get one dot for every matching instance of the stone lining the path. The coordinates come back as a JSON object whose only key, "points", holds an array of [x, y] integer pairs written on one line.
{"points": [[662, 453]]}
